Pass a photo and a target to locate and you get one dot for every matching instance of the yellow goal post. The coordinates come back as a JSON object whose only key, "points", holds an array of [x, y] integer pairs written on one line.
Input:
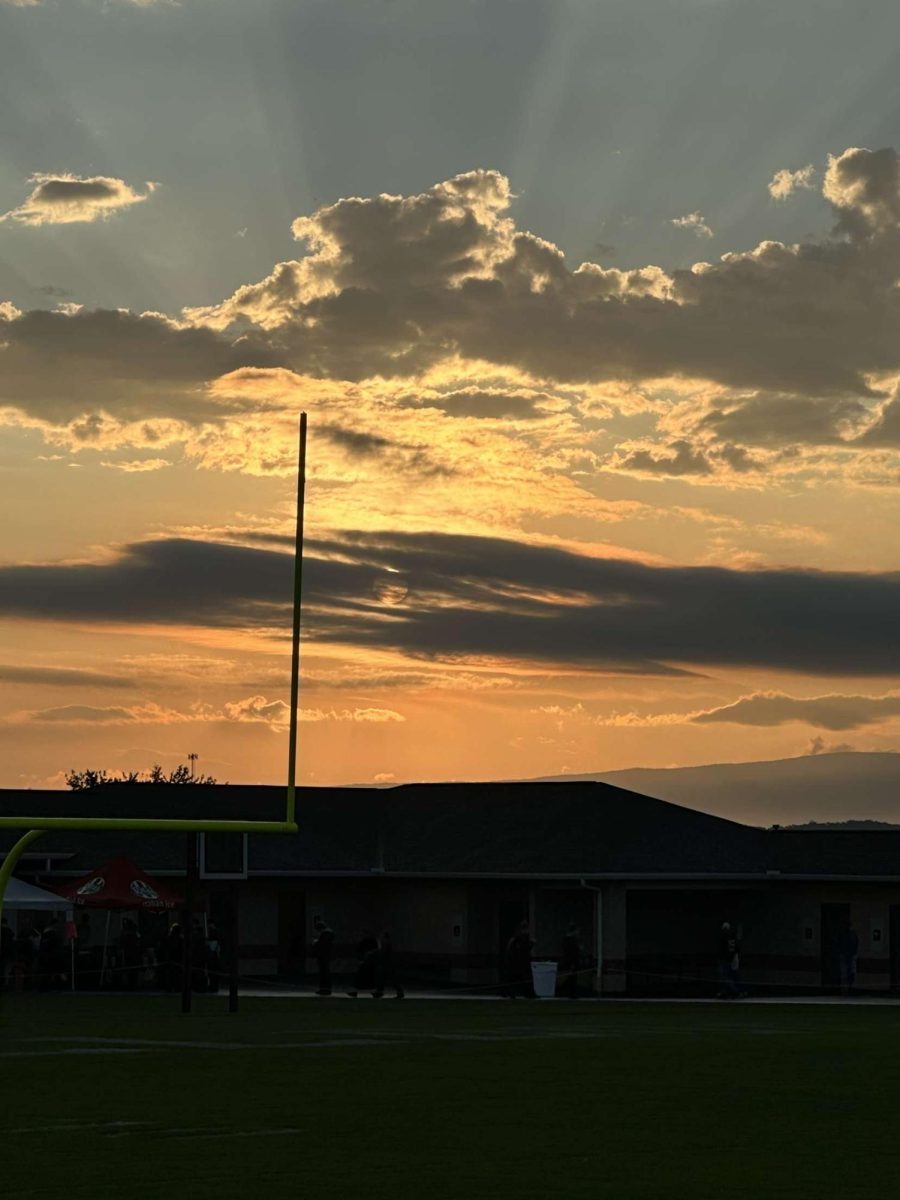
{"points": [[36, 825]]}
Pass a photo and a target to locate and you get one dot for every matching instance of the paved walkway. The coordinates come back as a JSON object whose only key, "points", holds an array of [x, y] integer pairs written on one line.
{"points": [[280, 993]]}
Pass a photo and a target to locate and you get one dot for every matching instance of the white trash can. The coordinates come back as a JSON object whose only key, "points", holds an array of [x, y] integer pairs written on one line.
{"points": [[543, 975]]}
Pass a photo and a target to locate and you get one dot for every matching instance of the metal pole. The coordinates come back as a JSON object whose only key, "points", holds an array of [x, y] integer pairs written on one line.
{"points": [[187, 920], [105, 946], [234, 949], [295, 632]]}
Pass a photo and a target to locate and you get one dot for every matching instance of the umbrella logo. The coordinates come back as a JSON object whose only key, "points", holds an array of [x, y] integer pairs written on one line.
{"points": [[143, 890], [92, 886]]}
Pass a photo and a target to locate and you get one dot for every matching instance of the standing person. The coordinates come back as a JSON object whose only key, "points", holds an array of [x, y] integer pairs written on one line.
{"points": [[130, 948], [386, 969], [367, 953], [49, 956], [729, 961], [198, 957], [83, 932], [173, 958], [7, 942], [848, 950], [517, 963], [570, 961], [213, 958], [25, 951], [323, 949]]}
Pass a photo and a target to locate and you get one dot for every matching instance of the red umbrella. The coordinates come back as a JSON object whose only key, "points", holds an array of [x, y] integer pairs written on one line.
{"points": [[120, 884]]}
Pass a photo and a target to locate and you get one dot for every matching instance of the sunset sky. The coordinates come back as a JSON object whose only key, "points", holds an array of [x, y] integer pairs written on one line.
{"points": [[594, 308]]}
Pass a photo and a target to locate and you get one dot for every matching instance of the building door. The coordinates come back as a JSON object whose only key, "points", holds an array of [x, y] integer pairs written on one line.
{"points": [[291, 935], [894, 935], [834, 923]]}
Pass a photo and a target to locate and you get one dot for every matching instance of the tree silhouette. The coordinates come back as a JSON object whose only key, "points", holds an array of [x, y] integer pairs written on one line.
{"points": [[87, 780]]}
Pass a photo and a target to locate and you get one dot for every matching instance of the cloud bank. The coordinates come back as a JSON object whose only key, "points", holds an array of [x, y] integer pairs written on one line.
{"points": [[452, 597], [770, 360], [256, 710], [833, 712]]}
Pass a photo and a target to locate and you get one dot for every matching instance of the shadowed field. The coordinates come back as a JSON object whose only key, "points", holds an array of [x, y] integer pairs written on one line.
{"points": [[127, 1097]]}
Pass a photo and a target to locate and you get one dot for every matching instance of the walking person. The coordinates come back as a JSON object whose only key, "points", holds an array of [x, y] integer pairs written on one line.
{"points": [[323, 949], [172, 956], [367, 953], [213, 959], [848, 949], [49, 957], [517, 963], [729, 961], [199, 979], [386, 975], [24, 956], [130, 948], [570, 961]]}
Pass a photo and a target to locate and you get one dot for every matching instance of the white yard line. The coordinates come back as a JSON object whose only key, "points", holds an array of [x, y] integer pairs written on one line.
{"points": [[71, 1050], [79, 1127], [110, 1045], [146, 1128]]}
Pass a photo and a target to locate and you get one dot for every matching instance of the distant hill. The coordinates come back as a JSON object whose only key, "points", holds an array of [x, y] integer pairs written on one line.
{"points": [[825, 788], [844, 825]]}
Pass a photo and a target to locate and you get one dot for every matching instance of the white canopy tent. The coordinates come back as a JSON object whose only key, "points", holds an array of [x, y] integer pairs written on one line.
{"points": [[25, 895]]}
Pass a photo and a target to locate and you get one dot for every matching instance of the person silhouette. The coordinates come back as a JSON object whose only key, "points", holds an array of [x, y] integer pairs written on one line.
{"points": [[323, 949]]}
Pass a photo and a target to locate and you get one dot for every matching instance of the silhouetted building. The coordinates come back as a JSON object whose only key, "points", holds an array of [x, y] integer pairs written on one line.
{"points": [[452, 870]]}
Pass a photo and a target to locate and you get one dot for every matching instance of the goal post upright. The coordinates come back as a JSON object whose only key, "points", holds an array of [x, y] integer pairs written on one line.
{"points": [[290, 814], [36, 824]]}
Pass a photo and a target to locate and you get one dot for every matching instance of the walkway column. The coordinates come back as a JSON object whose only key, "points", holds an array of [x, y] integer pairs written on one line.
{"points": [[613, 940], [598, 940]]}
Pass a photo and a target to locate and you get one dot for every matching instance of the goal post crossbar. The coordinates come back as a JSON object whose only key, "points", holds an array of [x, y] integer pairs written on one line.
{"points": [[146, 825]]}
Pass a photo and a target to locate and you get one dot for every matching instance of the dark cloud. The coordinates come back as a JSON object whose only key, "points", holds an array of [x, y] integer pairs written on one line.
{"points": [[363, 444], [62, 676], [682, 457], [60, 366], [464, 596], [779, 420], [356, 443], [63, 199], [677, 458], [864, 187], [83, 714]]}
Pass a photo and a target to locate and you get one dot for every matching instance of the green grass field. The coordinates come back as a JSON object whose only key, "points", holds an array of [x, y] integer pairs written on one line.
{"points": [[120, 1097]]}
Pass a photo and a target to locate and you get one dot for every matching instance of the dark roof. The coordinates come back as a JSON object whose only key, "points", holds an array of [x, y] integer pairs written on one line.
{"points": [[460, 828], [493, 829], [565, 828], [869, 852]]}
